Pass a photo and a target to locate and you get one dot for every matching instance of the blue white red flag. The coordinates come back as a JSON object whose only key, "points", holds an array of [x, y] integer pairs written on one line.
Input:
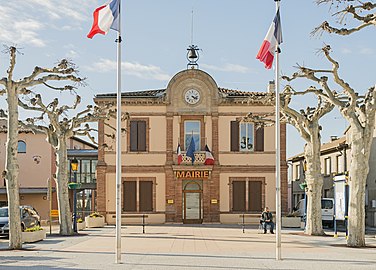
{"points": [[180, 156], [272, 39], [106, 17], [209, 160]]}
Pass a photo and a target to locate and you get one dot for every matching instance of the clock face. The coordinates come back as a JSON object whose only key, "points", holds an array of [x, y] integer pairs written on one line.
{"points": [[192, 96]]}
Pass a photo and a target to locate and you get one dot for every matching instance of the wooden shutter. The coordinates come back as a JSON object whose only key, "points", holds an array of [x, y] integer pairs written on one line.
{"points": [[141, 136], [234, 136], [133, 136], [146, 196], [238, 195], [255, 194], [259, 139], [130, 191]]}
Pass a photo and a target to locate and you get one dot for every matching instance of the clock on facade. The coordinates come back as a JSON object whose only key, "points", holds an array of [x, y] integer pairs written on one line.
{"points": [[192, 96]]}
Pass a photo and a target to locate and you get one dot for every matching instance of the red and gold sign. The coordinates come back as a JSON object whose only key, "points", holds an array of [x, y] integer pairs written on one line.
{"points": [[192, 174]]}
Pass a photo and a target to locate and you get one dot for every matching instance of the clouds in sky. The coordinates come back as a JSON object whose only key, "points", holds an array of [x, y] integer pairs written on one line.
{"points": [[227, 68], [361, 50], [23, 22], [133, 69]]}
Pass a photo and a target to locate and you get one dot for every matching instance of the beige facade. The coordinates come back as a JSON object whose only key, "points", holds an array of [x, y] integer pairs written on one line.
{"points": [[335, 162], [192, 106], [37, 164]]}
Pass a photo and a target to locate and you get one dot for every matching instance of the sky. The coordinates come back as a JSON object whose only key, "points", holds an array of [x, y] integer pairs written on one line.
{"points": [[156, 35]]}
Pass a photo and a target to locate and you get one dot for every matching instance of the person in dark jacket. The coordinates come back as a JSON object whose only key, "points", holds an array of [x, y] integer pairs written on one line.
{"points": [[267, 220]]}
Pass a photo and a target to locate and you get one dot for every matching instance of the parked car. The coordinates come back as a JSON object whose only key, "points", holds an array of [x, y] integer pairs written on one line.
{"points": [[327, 211], [29, 218]]}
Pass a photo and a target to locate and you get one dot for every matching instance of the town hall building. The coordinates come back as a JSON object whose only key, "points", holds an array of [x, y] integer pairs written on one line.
{"points": [[191, 112]]}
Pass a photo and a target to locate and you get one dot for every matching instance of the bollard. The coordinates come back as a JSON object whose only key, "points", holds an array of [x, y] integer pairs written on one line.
{"points": [[243, 225], [143, 223]]}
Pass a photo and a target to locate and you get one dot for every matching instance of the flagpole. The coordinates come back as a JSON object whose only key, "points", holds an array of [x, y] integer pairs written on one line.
{"points": [[118, 146], [278, 152]]}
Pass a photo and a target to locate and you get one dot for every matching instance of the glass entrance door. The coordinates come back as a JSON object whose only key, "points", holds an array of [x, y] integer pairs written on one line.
{"points": [[192, 205]]}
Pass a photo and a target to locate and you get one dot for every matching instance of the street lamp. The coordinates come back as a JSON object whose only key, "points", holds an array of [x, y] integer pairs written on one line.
{"points": [[74, 168]]}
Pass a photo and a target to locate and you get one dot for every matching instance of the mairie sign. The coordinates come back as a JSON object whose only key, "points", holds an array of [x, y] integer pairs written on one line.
{"points": [[192, 174]]}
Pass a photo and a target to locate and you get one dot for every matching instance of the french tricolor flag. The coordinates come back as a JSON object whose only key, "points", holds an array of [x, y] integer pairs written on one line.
{"points": [[106, 17], [272, 39], [180, 156], [209, 160]]}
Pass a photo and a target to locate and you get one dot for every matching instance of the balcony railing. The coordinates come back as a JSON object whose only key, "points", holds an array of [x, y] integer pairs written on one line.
{"points": [[200, 157]]}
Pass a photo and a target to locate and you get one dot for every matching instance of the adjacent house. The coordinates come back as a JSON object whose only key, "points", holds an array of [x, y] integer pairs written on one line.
{"points": [[335, 164], [37, 165]]}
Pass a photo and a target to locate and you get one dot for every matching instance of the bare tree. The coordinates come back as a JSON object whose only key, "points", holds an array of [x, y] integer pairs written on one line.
{"points": [[306, 123], [58, 132], [359, 111], [363, 13], [13, 89]]}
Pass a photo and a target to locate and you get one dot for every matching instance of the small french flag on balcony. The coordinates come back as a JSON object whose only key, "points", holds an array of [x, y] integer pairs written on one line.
{"points": [[209, 160], [180, 157]]}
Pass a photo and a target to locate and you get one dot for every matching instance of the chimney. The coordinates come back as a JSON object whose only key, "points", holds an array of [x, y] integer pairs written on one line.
{"points": [[271, 87]]}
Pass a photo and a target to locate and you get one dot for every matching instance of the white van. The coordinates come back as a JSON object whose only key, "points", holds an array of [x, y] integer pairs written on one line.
{"points": [[327, 211]]}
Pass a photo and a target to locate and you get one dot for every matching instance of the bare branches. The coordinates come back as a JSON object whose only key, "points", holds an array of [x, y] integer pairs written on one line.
{"points": [[3, 114], [85, 131], [12, 64], [363, 13], [260, 120]]}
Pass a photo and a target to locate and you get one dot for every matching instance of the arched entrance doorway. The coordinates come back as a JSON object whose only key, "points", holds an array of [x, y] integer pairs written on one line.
{"points": [[192, 202]]}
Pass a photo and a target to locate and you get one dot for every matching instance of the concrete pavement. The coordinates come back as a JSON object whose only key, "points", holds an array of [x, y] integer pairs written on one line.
{"points": [[189, 247]]}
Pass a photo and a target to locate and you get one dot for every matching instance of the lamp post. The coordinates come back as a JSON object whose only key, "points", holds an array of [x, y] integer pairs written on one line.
{"points": [[74, 168]]}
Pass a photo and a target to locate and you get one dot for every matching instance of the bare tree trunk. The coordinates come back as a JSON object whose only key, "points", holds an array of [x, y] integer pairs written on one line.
{"points": [[65, 215], [359, 169], [12, 170], [314, 181]]}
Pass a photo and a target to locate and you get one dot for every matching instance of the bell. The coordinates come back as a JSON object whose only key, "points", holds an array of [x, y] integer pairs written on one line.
{"points": [[192, 53]]}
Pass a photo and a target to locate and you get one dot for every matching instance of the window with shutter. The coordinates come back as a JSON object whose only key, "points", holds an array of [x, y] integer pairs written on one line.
{"points": [[254, 196], [130, 196], [259, 139], [234, 136], [146, 195], [238, 196], [137, 135]]}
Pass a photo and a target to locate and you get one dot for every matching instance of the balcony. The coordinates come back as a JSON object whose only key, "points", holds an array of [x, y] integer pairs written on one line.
{"points": [[200, 157]]}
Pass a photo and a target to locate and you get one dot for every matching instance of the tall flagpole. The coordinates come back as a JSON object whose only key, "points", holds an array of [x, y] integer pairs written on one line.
{"points": [[118, 145], [278, 153]]}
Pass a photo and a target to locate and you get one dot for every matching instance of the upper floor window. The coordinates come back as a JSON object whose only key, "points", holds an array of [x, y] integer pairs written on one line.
{"points": [[245, 137], [137, 136], [21, 147], [297, 171], [328, 167], [192, 128], [85, 172], [339, 162]]}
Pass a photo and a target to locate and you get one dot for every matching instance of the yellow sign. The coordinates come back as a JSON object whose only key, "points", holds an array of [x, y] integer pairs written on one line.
{"points": [[192, 174], [170, 201], [54, 213], [214, 201]]}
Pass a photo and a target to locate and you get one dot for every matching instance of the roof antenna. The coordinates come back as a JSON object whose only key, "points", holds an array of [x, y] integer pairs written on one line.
{"points": [[192, 54]]}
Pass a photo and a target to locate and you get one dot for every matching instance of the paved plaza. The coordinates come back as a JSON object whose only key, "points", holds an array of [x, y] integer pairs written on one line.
{"points": [[189, 247]]}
